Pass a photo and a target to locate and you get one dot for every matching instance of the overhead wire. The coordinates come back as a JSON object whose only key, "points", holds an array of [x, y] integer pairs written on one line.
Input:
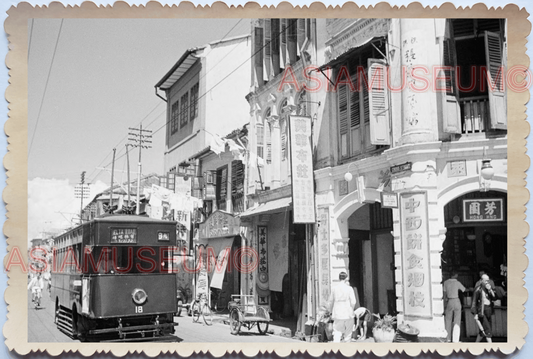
{"points": [[45, 88], [207, 91]]}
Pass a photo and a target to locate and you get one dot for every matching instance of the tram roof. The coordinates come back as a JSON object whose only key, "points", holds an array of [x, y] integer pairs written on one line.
{"points": [[131, 218]]}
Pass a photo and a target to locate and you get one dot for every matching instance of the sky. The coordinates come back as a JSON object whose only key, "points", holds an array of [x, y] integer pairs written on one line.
{"points": [[89, 81], [165, 59]]}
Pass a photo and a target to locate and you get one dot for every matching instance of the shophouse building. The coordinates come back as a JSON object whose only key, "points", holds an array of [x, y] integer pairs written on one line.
{"points": [[285, 52], [205, 94], [411, 163]]}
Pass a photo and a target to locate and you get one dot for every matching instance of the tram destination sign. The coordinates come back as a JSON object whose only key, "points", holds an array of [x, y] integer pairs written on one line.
{"points": [[123, 235], [483, 210]]}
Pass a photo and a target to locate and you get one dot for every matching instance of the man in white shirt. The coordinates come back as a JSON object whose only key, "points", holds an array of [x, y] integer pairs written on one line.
{"points": [[341, 304]]}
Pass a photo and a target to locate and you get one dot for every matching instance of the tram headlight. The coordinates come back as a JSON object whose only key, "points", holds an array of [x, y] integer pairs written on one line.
{"points": [[139, 296]]}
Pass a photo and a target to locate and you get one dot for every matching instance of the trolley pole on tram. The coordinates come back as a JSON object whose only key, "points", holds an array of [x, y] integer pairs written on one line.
{"points": [[140, 140]]}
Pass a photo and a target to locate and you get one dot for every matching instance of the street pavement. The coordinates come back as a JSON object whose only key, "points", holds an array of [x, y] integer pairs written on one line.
{"points": [[41, 328]]}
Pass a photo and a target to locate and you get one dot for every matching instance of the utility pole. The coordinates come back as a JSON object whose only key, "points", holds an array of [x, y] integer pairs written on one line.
{"points": [[141, 140], [81, 191]]}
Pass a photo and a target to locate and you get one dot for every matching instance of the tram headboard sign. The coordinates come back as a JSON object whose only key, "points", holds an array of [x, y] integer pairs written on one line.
{"points": [[483, 210], [123, 235]]}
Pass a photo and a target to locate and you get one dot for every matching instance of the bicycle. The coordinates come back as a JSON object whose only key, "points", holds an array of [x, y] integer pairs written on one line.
{"points": [[200, 307]]}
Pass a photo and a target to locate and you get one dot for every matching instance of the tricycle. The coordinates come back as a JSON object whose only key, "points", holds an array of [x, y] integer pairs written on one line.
{"points": [[244, 312]]}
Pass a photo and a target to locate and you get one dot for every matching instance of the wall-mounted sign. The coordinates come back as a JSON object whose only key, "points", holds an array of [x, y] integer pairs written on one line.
{"points": [[483, 210], [401, 168], [389, 200], [343, 188], [414, 225], [220, 224], [303, 186]]}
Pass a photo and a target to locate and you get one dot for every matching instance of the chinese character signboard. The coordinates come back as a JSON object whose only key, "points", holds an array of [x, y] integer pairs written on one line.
{"points": [[415, 255], [303, 194], [483, 210], [323, 254], [262, 270], [123, 235], [220, 224]]}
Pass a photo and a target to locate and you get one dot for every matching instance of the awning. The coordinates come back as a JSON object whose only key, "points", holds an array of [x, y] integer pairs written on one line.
{"points": [[342, 57], [181, 67], [277, 205]]}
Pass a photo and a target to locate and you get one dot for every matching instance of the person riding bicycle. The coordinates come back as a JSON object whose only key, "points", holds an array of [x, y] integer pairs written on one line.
{"points": [[36, 284]]}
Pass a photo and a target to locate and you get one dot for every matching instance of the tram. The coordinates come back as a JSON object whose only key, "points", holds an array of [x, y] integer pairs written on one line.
{"points": [[112, 279]]}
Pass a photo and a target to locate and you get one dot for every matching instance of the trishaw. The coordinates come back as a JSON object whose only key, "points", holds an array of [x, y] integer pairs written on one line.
{"points": [[244, 312]]}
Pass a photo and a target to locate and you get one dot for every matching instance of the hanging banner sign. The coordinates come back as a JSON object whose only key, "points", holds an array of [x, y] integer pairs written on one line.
{"points": [[303, 193]]}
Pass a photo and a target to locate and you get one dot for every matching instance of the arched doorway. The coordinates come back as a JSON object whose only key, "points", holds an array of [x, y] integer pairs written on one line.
{"points": [[476, 240]]}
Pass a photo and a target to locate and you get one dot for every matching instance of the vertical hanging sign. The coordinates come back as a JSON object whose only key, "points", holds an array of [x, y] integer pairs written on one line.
{"points": [[303, 194], [415, 255]]}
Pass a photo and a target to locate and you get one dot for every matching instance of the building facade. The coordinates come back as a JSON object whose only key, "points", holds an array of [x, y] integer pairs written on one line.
{"points": [[413, 181]]}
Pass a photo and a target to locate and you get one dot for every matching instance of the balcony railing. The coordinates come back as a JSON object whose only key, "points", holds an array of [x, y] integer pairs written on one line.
{"points": [[475, 114]]}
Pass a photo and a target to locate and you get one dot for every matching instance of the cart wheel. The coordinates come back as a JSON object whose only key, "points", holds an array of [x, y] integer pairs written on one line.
{"points": [[262, 327], [234, 323], [195, 310], [207, 314]]}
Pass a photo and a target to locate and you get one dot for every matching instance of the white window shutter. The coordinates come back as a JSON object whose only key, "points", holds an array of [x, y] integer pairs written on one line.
{"points": [[451, 111], [378, 104], [496, 88]]}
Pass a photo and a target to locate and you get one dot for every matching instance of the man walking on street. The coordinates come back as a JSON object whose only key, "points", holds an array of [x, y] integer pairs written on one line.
{"points": [[341, 304], [453, 307]]}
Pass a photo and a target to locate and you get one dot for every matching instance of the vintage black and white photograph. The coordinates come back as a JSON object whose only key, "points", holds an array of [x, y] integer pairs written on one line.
{"points": [[268, 180]]}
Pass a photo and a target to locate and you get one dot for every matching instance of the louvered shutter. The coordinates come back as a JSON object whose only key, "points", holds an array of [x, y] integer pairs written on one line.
{"points": [[496, 88], [283, 35], [268, 51], [378, 104], [342, 94], [301, 34], [258, 56], [292, 40], [451, 112], [275, 45]]}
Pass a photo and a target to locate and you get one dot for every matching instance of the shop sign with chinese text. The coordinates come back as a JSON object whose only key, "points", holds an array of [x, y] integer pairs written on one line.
{"points": [[483, 210], [303, 193], [415, 255], [220, 224]]}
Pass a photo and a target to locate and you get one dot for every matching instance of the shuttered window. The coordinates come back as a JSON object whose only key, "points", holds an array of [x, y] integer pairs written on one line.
{"points": [[258, 55], [175, 117], [184, 113], [268, 51], [364, 116], [194, 102], [237, 186], [222, 187]]}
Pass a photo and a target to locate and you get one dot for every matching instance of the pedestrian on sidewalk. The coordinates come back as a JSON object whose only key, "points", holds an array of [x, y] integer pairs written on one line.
{"points": [[452, 303], [341, 304], [362, 317], [482, 304]]}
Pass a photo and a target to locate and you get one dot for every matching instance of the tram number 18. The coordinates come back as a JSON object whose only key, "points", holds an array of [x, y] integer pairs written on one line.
{"points": [[138, 309]]}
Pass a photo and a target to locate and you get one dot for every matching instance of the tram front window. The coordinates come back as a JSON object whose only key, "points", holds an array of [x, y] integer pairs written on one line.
{"points": [[126, 259]]}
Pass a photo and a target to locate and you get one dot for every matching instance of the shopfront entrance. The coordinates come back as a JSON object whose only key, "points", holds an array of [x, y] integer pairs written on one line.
{"points": [[371, 258], [476, 240]]}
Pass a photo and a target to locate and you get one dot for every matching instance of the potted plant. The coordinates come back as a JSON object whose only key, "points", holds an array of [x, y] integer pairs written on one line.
{"points": [[384, 328]]}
